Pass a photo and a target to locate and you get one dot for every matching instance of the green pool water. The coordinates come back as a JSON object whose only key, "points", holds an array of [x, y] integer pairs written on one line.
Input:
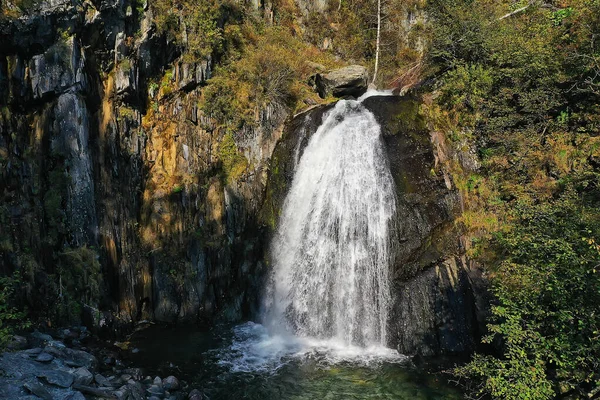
{"points": [[244, 362]]}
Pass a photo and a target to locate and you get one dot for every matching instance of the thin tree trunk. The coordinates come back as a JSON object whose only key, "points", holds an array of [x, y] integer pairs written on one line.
{"points": [[510, 14], [378, 40]]}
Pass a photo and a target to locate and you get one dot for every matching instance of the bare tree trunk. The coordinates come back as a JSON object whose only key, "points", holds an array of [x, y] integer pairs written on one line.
{"points": [[531, 3], [378, 40], [510, 14]]}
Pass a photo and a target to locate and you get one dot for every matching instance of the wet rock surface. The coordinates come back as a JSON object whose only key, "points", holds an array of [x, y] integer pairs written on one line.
{"points": [[23, 376]]}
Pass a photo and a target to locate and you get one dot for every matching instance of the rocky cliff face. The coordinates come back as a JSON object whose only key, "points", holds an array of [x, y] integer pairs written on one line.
{"points": [[103, 148], [437, 292]]}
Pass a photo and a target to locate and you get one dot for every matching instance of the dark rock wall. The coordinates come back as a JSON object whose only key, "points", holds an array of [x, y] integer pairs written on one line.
{"points": [[102, 146]]}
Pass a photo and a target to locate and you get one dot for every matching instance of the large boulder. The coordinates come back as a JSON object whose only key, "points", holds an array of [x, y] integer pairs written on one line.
{"points": [[348, 81]]}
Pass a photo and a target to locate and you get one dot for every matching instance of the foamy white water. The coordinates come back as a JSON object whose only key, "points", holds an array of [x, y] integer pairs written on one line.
{"points": [[375, 92], [256, 349], [329, 295], [331, 254]]}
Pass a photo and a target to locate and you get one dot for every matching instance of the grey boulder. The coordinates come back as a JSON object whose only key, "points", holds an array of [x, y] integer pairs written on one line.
{"points": [[348, 81]]}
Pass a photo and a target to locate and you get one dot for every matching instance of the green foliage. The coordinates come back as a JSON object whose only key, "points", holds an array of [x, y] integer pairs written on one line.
{"points": [[350, 29], [166, 83], [522, 84], [234, 163], [126, 113], [125, 65], [11, 317], [80, 282], [177, 189], [466, 88], [267, 70], [547, 287], [195, 25], [17, 8]]}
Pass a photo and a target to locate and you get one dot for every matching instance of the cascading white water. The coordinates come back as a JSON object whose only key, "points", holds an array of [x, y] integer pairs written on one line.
{"points": [[331, 254]]}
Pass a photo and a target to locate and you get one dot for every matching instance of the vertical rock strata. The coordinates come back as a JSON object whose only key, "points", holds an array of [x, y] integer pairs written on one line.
{"points": [[102, 147]]}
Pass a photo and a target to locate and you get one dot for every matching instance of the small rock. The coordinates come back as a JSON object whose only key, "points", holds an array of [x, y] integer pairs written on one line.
{"points": [[83, 376], [154, 398], [71, 334], [102, 381], [73, 358], [63, 333], [38, 389], [56, 343], [121, 394], [44, 358], [135, 350], [17, 343], [195, 395], [136, 390], [33, 352], [155, 390], [157, 381], [109, 361], [57, 378], [94, 392], [136, 373], [171, 383], [37, 339]]}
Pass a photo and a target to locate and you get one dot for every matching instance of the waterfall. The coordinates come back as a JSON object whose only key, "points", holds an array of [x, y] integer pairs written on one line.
{"points": [[331, 253]]}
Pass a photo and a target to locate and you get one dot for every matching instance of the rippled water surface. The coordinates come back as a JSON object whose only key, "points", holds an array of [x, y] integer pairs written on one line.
{"points": [[244, 362]]}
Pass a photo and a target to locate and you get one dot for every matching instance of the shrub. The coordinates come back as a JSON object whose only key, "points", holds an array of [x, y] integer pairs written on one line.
{"points": [[234, 163], [270, 69], [11, 317], [194, 25], [80, 282], [547, 286], [515, 84]]}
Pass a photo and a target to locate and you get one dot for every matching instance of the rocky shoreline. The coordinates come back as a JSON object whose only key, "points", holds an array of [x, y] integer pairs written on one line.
{"points": [[61, 367]]}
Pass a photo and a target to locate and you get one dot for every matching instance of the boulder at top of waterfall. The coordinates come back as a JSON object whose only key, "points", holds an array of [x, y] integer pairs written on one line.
{"points": [[348, 81]]}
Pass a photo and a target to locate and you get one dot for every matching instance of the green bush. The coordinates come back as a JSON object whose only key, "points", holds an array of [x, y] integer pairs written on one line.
{"points": [[79, 282], [547, 286], [194, 25], [512, 80], [11, 318], [234, 163], [268, 68]]}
